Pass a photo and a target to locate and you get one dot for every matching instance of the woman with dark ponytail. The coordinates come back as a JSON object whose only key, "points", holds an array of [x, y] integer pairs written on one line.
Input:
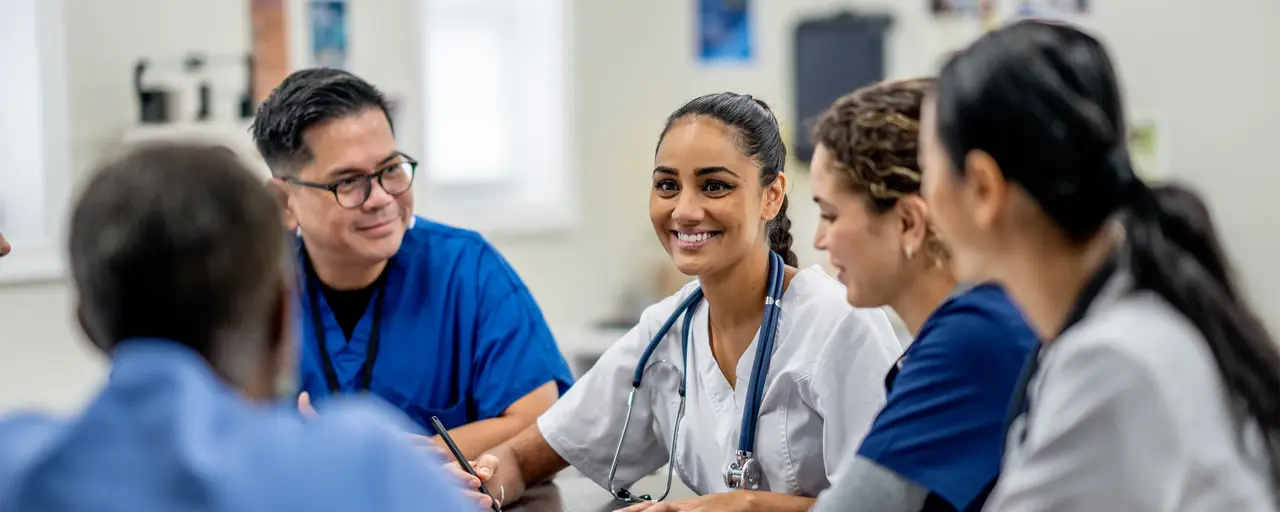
{"points": [[718, 206], [1156, 387]]}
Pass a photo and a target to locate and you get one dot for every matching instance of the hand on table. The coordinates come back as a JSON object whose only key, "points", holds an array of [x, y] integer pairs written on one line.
{"points": [[485, 467], [732, 501]]}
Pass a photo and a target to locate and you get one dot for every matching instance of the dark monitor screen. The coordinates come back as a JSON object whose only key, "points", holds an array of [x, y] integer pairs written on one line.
{"points": [[834, 56]]}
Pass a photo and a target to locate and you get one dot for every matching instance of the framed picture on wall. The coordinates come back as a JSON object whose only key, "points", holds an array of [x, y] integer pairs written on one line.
{"points": [[724, 31], [962, 6], [328, 33], [1053, 7]]}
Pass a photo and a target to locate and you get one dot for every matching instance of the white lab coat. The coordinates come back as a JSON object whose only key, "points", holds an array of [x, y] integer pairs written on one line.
{"points": [[1129, 412], [824, 388]]}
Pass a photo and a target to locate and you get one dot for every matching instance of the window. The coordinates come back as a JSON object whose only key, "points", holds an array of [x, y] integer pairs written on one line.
{"points": [[496, 110], [33, 145]]}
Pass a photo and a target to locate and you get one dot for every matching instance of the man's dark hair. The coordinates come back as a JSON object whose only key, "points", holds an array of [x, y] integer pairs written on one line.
{"points": [[304, 99], [179, 242]]}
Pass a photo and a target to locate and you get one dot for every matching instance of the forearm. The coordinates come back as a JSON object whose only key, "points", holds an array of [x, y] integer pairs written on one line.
{"points": [[527, 459], [476, 438], [774, 501]]}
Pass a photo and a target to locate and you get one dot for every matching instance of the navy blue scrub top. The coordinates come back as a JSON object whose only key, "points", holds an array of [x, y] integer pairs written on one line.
{"points": [[943, 423], [461, 338]]}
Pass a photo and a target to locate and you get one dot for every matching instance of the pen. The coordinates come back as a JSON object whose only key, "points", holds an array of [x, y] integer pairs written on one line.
{"points": [[462, 461]]}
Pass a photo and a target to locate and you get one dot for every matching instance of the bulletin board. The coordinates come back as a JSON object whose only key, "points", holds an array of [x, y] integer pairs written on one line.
{"points": [[34, 152]]}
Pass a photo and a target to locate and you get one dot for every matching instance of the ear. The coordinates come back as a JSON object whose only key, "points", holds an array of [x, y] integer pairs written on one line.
{"points": [[914, 217], [280, 191], [90, 331], [984, 188], [774, 193]]}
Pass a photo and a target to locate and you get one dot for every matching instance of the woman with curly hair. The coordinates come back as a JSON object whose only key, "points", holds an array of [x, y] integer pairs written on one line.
{"points": [[937, 443]]}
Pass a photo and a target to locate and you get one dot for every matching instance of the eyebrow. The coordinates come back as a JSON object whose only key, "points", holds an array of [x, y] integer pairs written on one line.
{"points": [[701, 171], [337, 173]]}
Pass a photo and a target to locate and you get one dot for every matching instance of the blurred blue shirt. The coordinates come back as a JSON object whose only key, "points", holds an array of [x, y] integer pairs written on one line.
{"points": [[166, 433]]}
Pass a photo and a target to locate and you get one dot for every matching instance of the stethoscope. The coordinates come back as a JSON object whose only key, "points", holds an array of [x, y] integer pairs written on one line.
{"points": [[744, 471]]}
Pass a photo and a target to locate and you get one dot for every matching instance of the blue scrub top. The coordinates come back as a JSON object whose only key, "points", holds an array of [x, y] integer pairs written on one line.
{"points": [[461, 337], [167, 433], [943, 424]]}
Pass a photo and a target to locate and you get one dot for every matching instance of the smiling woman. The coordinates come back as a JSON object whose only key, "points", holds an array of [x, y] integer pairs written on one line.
{"points": [[936, 445], [747, 429]]}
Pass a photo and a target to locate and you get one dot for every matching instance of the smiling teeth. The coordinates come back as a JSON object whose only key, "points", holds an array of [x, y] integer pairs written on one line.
{"points": [[694, 238]]}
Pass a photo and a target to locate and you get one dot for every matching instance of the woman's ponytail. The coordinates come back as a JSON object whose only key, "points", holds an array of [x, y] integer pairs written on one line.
{"points": [[1174, 251], [779, 232]]}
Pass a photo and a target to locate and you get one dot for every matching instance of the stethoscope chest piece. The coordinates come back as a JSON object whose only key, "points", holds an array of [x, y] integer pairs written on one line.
{"points": [[743, 473]]}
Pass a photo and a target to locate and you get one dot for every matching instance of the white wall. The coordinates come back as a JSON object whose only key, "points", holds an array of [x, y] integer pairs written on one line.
{"points": [[1213, 71]]}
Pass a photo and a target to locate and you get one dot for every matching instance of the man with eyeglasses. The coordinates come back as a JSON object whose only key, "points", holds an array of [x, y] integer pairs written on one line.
{"points": [[425, 316]]}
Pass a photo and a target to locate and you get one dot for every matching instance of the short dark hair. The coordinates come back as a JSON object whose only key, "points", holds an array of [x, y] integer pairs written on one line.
{"points": [[757, 136], [179, 242], [304, 99]]}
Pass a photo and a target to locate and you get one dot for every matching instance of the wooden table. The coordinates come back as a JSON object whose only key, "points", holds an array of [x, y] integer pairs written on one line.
{"points": [[580, 494]]}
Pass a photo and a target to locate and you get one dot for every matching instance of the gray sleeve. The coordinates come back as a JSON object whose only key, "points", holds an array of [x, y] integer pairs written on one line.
{"points": [[864, 486], [1099, 437]]}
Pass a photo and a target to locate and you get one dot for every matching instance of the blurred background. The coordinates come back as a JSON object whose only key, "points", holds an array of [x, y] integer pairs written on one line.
{"points": [[536, 121]]}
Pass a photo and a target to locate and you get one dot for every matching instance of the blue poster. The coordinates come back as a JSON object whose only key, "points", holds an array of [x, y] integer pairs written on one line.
{"points": [[724, 31], [329, 33]]}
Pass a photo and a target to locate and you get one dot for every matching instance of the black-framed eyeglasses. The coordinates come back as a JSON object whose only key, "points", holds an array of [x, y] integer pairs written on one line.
{"points": [[352, 192]]}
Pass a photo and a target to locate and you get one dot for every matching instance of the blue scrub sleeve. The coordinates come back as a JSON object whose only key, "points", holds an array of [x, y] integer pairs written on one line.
{"points": [[943, 423], [516, 353]]}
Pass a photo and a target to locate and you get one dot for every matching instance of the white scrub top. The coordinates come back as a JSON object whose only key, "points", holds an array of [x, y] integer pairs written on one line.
{"points": [[1128, 411], [824, 388]]}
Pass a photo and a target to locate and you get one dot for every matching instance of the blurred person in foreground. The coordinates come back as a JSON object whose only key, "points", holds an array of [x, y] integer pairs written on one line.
{"points": [[184, 281]]}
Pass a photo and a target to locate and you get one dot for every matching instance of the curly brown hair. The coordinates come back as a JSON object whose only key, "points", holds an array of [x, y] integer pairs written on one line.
{"points": [[872, 136]]}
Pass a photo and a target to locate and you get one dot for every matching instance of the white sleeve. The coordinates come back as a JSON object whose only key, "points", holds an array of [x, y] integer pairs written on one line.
{"points": [[584, 425], [1099, 437], [848, 383]]}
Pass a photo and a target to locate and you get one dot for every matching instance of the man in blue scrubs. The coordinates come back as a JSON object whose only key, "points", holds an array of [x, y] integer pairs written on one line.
{"points": [[426, 316], [183, 279]]}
